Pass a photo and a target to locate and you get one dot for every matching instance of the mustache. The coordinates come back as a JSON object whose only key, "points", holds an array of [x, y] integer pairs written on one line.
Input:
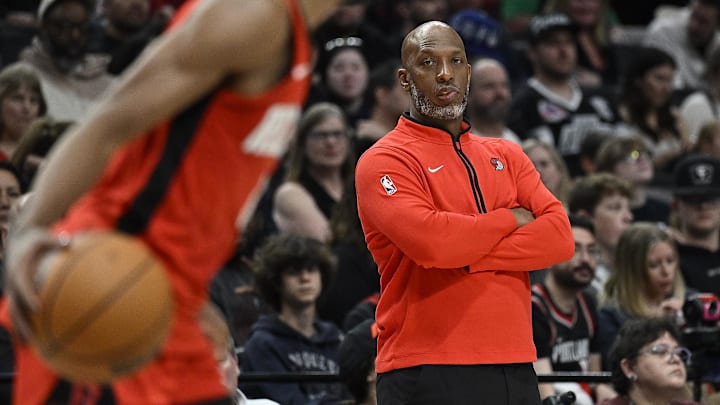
{"points": [[584, 266]]}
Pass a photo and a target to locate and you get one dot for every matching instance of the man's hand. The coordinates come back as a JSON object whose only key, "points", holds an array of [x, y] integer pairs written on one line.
{"points": [[522, 216], [25, 253]]}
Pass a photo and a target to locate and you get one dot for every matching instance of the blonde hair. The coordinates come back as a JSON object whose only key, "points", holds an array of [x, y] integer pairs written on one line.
{"points": [[626, 285], [566, 183]]}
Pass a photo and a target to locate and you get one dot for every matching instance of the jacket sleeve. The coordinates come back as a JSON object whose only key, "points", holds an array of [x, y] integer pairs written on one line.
{"points": [[546, 240], [411, 221]]}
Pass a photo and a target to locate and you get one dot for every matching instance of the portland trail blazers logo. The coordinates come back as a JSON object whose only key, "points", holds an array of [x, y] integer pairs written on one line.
{"points": [[497, 163]]}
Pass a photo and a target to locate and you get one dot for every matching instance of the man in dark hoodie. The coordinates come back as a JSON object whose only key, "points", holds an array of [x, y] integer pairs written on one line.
{"points": [[291, 272]]}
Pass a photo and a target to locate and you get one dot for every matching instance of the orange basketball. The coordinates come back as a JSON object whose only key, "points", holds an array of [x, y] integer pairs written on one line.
{"points": [[106, 307]]}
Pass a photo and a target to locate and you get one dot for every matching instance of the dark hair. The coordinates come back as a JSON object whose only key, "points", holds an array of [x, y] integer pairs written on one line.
{"points": [[283, 252], [633, 98], [383, 76], [588, 191], [633, 335], [38, 139], [579, 221], [9, 167]]}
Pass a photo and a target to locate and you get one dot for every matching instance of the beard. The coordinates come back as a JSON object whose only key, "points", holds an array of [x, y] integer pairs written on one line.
{"points": [[496, 111], [427, 108], [566, 277]]}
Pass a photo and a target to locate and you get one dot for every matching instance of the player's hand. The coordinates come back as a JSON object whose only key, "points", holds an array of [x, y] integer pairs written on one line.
{"points": [[25, 252], [522, 216]]}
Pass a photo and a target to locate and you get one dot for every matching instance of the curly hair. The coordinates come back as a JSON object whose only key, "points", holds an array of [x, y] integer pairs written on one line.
{"points": [[283, 252]]}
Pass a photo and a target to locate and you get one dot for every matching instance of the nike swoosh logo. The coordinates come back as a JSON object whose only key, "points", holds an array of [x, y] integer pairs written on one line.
{"points": [[433, 170]]}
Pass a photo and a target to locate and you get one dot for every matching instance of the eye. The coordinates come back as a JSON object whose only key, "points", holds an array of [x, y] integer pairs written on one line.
{"points": [[427, 62], [457, 60]]}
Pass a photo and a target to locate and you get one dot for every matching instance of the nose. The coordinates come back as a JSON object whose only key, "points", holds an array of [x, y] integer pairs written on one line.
{"points": [[445, 72], [627, 216]]}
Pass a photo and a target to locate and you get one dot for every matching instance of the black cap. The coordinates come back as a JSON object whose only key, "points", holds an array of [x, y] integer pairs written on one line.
{"points": [[697, 177], [542, 25]]}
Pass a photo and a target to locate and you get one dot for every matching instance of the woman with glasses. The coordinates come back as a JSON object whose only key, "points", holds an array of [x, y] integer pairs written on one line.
{"points": [[319, 161], [646, 282], [630, 159], [649, 365]]}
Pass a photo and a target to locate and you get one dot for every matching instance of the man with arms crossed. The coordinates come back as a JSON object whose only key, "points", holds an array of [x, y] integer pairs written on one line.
{"points": [[202, 116], [455, 222]]}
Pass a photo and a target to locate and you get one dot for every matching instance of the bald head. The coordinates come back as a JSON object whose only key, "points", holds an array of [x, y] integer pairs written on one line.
{"points": [[427, 34]]}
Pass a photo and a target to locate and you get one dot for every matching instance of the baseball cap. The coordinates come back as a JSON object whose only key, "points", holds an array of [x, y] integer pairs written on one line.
{"points": [[697, 177], [46, 4], [542, 25]]}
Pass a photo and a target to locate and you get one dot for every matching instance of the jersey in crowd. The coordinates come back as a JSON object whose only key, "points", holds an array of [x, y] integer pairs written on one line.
{"points": [[700, 268], [566, 339], [539, 113]]}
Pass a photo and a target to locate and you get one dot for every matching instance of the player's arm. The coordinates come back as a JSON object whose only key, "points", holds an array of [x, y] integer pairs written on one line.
{"points": [[218, 39]]}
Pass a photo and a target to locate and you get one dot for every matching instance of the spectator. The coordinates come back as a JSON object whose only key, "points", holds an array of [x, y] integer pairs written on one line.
{"points": [[291, 273], [689, 36], [71, 79], [708, 140], [344, 78], [696, 208], [35, 144], [646, 282], [21, 102], [629, 159], [426, 191], [551, 106], [605, 200], [565, 317], [12, 188], [553, 172], [215, 328], [486, 38], [357, 277], [356, 358], [702, 106], [648, 364], [489, 100], [589, 149], [646, 108], [234, 291], [389, 101], [319, 161], [350, 20], [597, 59], [123, 29]]}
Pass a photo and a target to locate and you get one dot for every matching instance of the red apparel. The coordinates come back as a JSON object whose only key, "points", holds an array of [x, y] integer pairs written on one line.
{"points": [[453, 267], [181, 189]]}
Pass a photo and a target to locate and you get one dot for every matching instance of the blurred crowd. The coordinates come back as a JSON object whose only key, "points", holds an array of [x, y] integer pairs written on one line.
{"points": [[616, 104]]}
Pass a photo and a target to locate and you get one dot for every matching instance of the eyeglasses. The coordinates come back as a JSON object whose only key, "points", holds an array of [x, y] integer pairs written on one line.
{"points": [[322, 135], [342, 42], [666, 352]]}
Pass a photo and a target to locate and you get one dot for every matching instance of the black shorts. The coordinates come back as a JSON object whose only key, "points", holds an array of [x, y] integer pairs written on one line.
{"points": [[492, 384]]}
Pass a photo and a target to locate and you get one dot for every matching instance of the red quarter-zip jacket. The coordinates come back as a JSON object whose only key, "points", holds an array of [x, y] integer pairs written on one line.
{"points": [[453, 264]]}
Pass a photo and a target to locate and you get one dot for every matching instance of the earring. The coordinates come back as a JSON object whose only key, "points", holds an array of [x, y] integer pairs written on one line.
{"points": [[632, 377]]}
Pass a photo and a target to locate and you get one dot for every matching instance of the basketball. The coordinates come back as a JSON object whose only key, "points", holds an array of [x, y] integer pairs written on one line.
{"points": [[106, 307]]}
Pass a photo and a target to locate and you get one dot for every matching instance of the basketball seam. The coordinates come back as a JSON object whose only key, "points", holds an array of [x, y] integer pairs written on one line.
{"points": [[99, 307]]}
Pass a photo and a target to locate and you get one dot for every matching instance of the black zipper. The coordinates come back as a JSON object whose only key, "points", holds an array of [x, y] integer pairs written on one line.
{"points": [[472, 175]]}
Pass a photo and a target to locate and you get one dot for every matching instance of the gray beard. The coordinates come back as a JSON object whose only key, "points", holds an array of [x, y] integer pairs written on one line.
{"points": [[429, 109]]}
